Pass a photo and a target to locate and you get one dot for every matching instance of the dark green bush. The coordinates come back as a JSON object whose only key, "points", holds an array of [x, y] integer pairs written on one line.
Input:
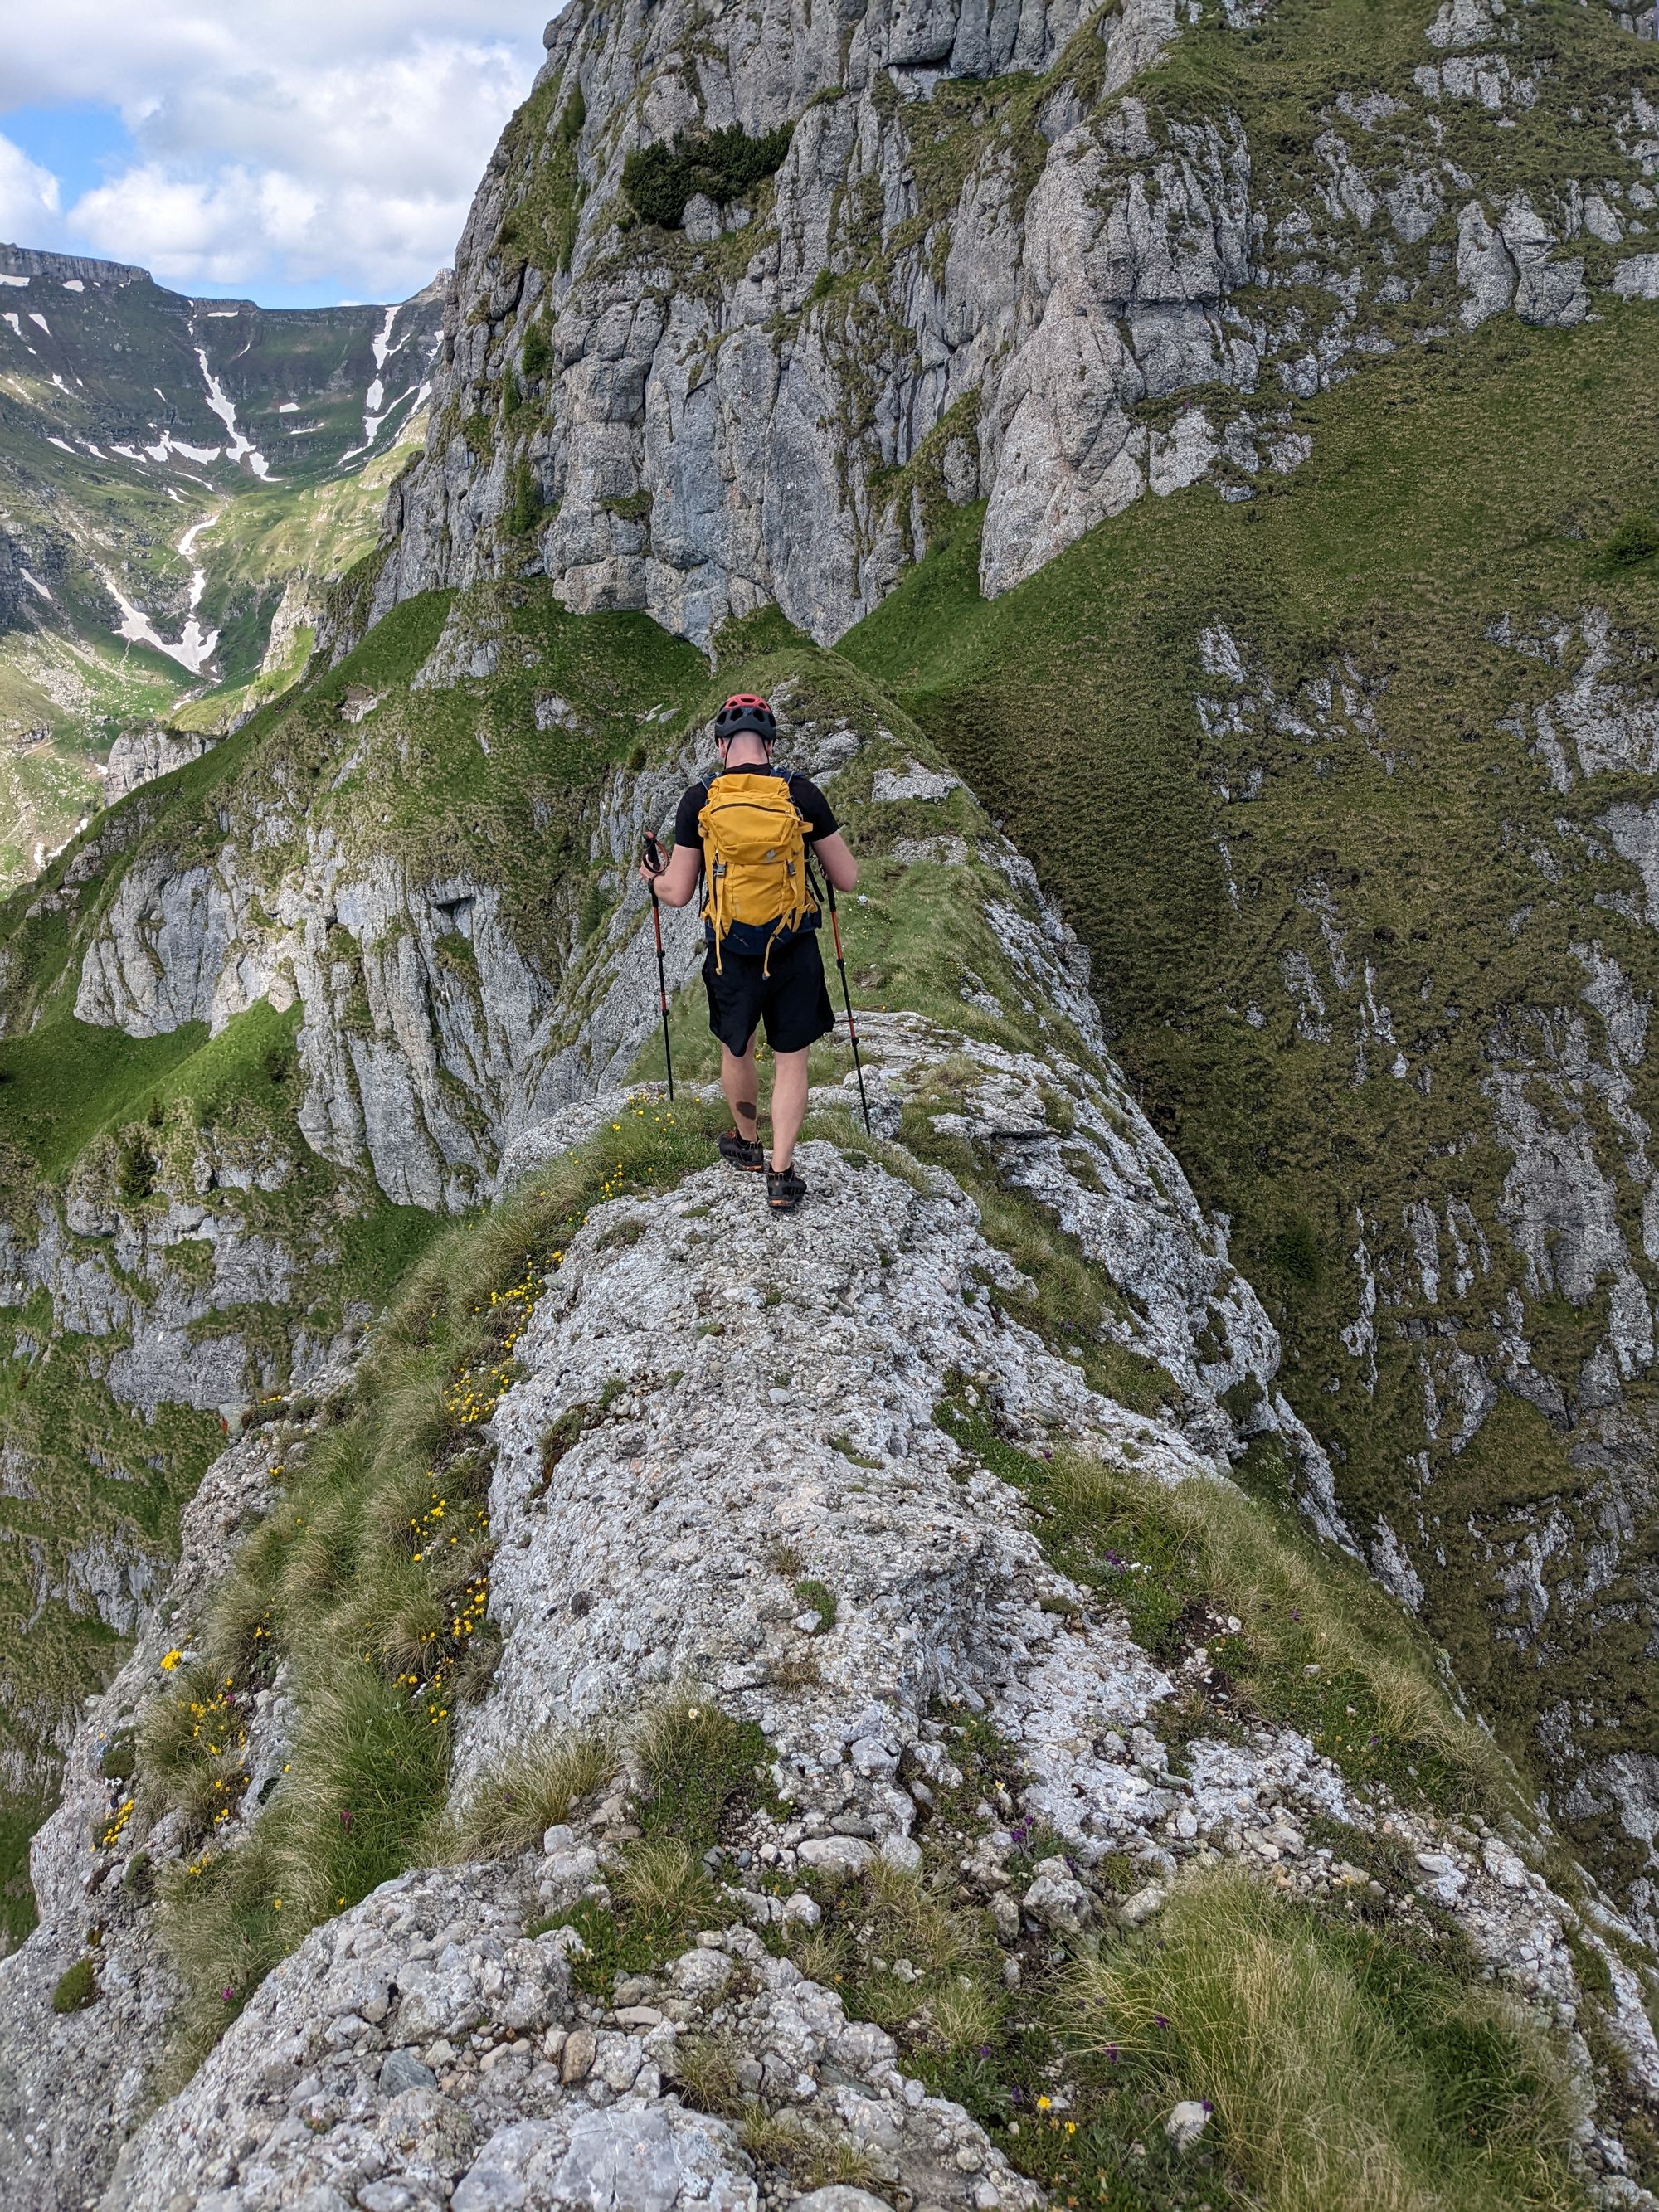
{"points": [[135, 1172], [76, 1989], [1632, 544], [527, 500], [536, 354], [722, 165]]}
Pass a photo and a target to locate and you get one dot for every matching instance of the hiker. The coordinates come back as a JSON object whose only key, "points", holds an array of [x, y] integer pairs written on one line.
{"points": [[747, 832]]}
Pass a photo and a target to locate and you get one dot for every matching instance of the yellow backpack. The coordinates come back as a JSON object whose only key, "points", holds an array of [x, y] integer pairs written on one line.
{"points": [[753, 850]]}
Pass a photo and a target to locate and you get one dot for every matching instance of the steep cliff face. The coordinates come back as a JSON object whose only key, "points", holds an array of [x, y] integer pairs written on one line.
{"points": [[1050, 258], [1365, 890]]}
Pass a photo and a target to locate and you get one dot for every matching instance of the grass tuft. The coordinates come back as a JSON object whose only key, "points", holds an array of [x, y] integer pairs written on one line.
{"points": [[706, 2073], [661, 1879], [695, 1765], [537, 1787], [1343, 2077], [807, 2153]]}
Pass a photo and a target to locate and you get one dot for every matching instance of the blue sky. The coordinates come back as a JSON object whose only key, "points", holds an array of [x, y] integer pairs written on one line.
{"points": [[294, 152]]}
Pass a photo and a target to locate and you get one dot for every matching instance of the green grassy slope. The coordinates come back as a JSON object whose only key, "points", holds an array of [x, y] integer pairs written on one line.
{"points": [[1491, 476]]}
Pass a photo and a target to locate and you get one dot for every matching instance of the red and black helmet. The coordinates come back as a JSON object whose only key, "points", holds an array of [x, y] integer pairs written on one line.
{"points": [[746, 710]]}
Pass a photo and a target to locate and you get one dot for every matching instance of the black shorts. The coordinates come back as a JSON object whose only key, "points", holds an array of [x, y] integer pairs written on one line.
{"points": [[794, 1000]]}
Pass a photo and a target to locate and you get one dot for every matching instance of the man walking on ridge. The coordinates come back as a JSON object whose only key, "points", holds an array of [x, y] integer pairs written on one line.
{"points": [[745, 833]]}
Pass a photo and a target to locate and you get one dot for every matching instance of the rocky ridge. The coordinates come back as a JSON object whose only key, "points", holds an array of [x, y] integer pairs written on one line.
{"points": [[423, 2049], [446, 1094], [651, 1558], [405, 1040]]}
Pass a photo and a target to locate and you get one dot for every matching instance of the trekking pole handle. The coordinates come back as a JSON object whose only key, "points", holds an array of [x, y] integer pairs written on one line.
{"points": [[653, 854], [834, 929]]}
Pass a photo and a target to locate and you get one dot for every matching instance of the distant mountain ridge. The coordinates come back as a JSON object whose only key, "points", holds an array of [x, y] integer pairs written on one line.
{"points": [[133, 419], [28, 261]]}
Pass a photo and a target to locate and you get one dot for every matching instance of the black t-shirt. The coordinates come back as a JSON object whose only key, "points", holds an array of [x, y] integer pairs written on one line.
{"points": [[813, 806]]}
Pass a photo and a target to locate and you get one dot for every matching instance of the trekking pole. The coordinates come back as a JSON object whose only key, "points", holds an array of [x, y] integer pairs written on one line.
{"points": [[852, 1026], [654, 860]]}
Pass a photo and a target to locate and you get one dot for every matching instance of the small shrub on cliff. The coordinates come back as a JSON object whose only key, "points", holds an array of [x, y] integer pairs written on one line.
{"points": [[536, 353], [76, 1989], [526, 509], [1632, 548], [722, 165]]}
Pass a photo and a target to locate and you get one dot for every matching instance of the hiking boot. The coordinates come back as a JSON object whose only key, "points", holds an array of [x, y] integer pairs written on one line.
{"points": [[784, 1189], [742, 1151]]}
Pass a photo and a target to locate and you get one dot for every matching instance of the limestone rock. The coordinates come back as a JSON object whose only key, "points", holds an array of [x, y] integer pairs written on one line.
{"points": [[1058, 1899], [140, 755], [1186, 2123]]}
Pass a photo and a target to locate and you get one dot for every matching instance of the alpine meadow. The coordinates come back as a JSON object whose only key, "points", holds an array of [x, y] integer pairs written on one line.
{"points": [[1097, 1652]]}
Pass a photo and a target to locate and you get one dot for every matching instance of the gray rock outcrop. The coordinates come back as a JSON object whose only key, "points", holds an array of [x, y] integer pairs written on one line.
{"points": [[139, 755]]}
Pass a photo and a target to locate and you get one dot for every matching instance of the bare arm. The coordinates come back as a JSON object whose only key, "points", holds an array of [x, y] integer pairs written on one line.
{"points": [[677, 882], [837, 862]]}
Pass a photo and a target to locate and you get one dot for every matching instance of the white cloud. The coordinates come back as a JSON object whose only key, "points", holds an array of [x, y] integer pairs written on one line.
{"points": [[28, 198], [286, 139]]}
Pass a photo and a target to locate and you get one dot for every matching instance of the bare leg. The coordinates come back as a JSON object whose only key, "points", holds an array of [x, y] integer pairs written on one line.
{"points": [[788, 1106], [739, 1082]]}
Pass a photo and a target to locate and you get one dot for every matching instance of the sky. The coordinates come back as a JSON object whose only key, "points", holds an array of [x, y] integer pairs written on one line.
{"points": [[295, 152]]}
